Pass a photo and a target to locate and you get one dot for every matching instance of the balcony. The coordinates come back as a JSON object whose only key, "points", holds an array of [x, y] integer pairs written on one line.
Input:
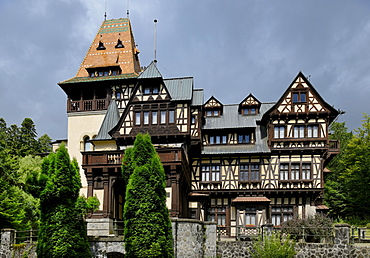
{"points": [[87, 105], [102, 158]]}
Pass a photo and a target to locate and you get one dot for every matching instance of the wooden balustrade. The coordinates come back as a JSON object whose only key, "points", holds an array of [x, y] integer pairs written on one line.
{"points": [[87, 105]]}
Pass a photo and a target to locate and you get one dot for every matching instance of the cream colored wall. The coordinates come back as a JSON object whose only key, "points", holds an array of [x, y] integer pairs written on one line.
{"points": [[105, 146], [80, 125]]}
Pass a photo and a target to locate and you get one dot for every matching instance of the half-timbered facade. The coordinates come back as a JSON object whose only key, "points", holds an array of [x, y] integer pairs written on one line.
{"points": [[242, 165]]}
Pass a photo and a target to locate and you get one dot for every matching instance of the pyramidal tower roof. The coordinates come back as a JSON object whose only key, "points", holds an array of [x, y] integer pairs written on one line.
{"points": [[113, 46]]}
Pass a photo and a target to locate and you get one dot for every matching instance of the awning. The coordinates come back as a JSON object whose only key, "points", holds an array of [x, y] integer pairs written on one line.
{"points": [[251, 199], [322, 207]]}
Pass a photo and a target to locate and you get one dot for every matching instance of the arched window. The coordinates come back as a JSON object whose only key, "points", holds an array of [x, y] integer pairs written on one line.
{"points": [[87, 144]]}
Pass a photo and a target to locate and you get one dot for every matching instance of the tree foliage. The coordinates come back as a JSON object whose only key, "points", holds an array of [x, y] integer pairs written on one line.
{"points": [[147, 230], [18, 208], [62, 228], [348, 186]]}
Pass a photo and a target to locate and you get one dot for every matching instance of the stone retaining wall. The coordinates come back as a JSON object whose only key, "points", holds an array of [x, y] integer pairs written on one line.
{"points": [[193, 238]]}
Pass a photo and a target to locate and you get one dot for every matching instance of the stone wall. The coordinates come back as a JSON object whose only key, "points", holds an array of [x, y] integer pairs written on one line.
{"points": [[193, 238], [340, 248]]}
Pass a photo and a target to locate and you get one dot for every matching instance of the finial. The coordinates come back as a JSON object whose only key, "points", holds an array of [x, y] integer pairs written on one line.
{"points": [[105, 12], [128, 9], [155, 40]]}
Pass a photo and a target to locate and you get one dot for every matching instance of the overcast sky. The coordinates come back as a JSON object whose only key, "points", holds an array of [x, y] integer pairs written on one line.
{"points": [[231, 48]]}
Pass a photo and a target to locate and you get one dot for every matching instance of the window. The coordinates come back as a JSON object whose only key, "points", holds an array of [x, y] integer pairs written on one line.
{"points": [[87, 144], [118, 95], [211, 173], [312, 131], [279, 132], [299, 97], [154, 117], [281, 214], [298, 131], [244, 138], [150, 90], [146, 118], [137, 118], [215, 173], [295, 171], [205, 173], [306, 171], [193, 120], [213, 112], [218, 139], [97, 72], [249, 172], [171, 116], [284, 170], [250, 110], [163, 117], [250, 216], [217, 214]]}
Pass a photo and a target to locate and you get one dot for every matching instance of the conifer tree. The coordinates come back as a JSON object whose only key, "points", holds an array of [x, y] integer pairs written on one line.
{"points": [[148, 230], [62, 228]]}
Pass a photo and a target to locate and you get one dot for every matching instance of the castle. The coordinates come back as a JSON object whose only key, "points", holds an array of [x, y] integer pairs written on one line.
{"points": [[241, 165]]}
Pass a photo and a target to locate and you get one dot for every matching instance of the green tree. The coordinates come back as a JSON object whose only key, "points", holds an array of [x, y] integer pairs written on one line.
{"points": [[62, 228], [335, 193], [44, 144], [147, 230], [348, 186], [356, 159]]}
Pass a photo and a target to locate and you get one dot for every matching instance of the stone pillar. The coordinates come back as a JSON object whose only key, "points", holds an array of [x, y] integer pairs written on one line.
{"points": [[210, 236], [7, 241], [342, 234]]}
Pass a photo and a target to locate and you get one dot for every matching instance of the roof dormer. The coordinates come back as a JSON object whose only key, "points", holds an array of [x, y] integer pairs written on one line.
{"points": [[249, 106], [213, 107]]}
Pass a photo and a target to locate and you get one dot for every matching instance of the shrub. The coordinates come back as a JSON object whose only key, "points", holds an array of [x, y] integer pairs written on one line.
{"points": [[273, 246], [313, 229]]}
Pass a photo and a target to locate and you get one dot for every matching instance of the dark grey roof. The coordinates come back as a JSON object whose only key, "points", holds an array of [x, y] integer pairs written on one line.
{"points": [[260, 145], [198, 97], [231, 118], [150, 72], [110, 120], [180, 88]]}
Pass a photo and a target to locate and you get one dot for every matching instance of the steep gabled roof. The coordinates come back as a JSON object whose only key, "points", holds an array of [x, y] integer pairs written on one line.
{"points": [[110, 120], [212, 102], [150, 72], [296, 84], [250, 100]]}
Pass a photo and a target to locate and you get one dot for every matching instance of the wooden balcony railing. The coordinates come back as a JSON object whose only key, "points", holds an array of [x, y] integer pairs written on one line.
{"points": [[99, 158], [87, 105]]}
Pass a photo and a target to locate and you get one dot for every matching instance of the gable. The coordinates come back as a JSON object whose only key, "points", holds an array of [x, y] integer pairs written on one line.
{"points": [[250, 100], [213, 103], [301, 97]]}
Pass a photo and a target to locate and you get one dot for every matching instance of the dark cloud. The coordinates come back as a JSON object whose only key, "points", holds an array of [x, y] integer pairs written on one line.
{"points": [[232, 48]]}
